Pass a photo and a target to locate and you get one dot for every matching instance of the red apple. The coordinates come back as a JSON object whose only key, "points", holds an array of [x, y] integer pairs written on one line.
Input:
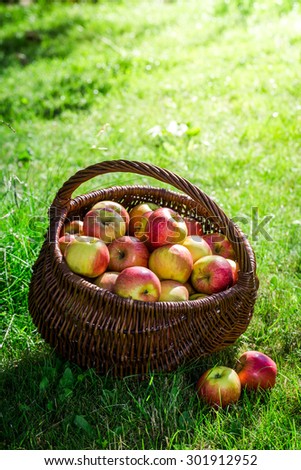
{"points": [[127, 251], [171, 262], [164, 227], [105, 223], [211, 274], [138, 283], [197, 246], [137, 221], [119, 208], [256, 370], [107, 280], [220, 245], [73, 227], [219, 386], [235, 269], [194, 227], [87, 256], [173, 291], [64, 241]]}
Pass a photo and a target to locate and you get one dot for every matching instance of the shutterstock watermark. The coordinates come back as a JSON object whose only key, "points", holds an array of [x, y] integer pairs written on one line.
{"points": [[258, 227], [253, 225]]}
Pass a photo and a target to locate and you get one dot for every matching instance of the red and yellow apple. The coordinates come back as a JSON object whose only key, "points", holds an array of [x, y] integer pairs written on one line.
{"points": [[235, 269], [256, 370], [137, 219], [220, 245], [138, 228], [104, 223], [211, 274], [107, 280], [87, 256], [73, 227], [189, 287], [165, 226], [127, 251], [219, 387], [138, 283], [197, 246], [171, 262], [117, 207], [64, 241], [173, 291]]}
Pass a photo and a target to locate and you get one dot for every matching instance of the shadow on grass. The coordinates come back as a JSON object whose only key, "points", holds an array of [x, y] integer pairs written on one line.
{"points": [[24, 47], [43, 403], [51, 404], [51, 95], [31, 42]]}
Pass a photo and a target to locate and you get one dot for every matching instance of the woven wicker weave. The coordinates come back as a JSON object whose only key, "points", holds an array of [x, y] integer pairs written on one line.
{"points": [[95, 328]]}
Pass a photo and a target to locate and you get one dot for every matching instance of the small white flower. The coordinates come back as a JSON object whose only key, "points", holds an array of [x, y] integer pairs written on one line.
{"points": [[177, 129], [155, 131]]}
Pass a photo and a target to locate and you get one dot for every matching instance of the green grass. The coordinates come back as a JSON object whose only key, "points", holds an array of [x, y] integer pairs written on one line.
{"points": [[87, 86]]}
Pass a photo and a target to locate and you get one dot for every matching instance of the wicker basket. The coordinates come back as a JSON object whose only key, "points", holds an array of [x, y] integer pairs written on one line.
{"points": [[95, 328]]}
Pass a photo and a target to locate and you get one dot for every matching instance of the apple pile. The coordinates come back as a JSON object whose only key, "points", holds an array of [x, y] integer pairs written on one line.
{"points": [[148, 253], [221, 385]]}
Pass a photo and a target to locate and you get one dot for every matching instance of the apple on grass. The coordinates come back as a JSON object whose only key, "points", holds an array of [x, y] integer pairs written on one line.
{"points": [[171, 262], [256, 370], [211, 274], [220, 245], [173, 291], [117, 207], [197, 246], [107, 280], [104, 223], [219, 386], [165, 226], [64, 241], [73, 227], [87, 256], [136, 215], [127, 251], [138, 283]]}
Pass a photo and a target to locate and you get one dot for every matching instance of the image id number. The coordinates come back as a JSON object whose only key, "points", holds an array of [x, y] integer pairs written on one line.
{"points": [[221, 459]]}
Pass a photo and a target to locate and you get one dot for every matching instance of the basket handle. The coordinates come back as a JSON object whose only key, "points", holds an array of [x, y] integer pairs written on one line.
{"points": [[64, 194]]}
